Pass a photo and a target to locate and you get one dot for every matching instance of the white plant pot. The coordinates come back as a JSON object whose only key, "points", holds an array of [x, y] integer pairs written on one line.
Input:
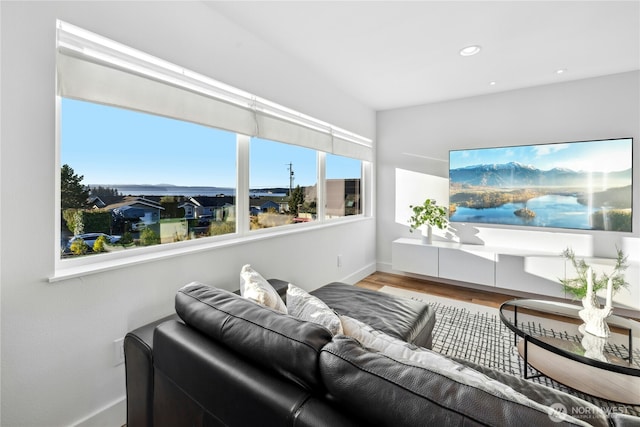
{"points": [[427, 234]]}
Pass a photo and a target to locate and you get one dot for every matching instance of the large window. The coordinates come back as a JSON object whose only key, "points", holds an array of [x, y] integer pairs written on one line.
{"points": [[152, 154], [138, 179], [282, 184], [344, 186]]}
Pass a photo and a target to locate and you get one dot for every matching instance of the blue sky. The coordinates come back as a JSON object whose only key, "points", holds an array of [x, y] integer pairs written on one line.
{"points": [[116, 146], [597, 156]]}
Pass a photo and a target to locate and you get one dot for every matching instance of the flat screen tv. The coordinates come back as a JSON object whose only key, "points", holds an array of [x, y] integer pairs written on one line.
{"points": [[583, 185]]}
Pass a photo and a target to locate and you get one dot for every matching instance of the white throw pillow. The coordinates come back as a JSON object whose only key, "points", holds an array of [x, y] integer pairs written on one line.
{"points": [[403, 351], [305, 306], [256, 288]]}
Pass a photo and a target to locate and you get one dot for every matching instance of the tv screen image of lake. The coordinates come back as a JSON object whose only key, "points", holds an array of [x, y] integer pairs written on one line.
{"points": [[578, 185], [550, 211]]}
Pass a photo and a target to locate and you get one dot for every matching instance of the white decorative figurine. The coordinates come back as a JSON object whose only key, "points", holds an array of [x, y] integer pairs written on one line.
{"points": [[593, 316], [594, 347]]}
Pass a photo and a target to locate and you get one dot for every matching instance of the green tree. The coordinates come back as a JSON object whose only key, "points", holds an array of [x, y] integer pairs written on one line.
{"points": [[296, 200], [72, 193], [97, 221], [170, 205], [73, 219], [101, 191], [78, 221]]}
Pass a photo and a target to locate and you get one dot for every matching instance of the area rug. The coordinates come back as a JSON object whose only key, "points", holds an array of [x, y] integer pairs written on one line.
{"points": [[475, 333]]}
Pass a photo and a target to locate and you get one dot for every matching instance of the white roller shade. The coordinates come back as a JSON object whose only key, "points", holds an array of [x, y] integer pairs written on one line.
{"points": [[88, 81], [96, 69]]}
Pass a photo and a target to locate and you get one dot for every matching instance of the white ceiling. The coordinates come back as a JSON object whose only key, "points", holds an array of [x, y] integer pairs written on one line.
{"points": [[391, 54]]}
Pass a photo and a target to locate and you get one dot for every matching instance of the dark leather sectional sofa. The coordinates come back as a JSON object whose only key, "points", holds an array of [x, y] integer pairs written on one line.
{"points": [[223, 360]]}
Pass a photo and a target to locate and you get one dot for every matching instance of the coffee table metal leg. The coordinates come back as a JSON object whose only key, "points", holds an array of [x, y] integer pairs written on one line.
{"points": [[526, 360], [515, 322]]}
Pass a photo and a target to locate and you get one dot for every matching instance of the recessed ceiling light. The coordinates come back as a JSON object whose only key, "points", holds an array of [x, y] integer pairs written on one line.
{"points": [[492, 83], [561, 71], [470, 50]]}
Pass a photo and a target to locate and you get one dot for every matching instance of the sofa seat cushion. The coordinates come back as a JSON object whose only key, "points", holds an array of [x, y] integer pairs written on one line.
{"points": [[402, 318], [390, 391], [271, 339]]}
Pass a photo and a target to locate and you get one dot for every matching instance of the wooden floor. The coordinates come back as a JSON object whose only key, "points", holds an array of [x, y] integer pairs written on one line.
{"points": [[475, 296], [379, 279]]}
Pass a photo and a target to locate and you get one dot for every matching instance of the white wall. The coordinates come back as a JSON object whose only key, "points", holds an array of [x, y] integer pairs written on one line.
{"points": [[418, 139], [57, 338]]}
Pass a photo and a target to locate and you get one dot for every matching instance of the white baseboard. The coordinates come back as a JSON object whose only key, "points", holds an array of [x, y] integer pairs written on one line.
{"points": [[354, 278], [112, 415], [385, 267]]}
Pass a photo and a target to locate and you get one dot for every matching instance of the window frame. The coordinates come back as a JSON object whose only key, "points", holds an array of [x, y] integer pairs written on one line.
{"points": [[68, 268], [316, 154], [363, 197]]}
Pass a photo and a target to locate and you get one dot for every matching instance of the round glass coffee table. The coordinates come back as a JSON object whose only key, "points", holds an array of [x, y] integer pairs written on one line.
{"points": [[552, 344]]}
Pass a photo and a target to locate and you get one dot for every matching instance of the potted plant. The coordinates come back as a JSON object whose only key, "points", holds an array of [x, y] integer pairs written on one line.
{"points": [[426, 216], [577, 286]]}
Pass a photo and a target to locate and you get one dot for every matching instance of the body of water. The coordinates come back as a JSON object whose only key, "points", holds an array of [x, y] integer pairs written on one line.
{"points": [[551, 211], [174, 190]]}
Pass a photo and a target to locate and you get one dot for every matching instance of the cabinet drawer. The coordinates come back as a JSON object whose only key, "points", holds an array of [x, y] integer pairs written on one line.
{"points": [[467, 266], [415, 258]]}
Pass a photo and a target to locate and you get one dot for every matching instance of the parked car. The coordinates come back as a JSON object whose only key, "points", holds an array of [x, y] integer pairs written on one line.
{"points": [[138, 226], [89, 239]]}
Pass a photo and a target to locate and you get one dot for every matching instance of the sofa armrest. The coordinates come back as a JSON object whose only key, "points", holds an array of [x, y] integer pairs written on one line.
{"points": [[193, 369], [138, 355]]}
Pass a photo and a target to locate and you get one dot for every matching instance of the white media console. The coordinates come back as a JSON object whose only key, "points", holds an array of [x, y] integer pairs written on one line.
{"points": [[534, 271]]}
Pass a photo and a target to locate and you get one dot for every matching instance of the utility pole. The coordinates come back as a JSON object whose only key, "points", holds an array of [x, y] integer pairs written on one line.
{"points": [[291, 174]]}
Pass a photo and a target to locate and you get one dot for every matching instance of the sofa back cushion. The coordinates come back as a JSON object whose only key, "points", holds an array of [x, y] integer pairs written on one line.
{"points": [[273, 340], [390, 391]]}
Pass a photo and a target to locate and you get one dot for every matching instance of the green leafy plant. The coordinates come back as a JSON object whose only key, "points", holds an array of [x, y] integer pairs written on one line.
{"points": [[127, 239], [149, 237], [74, 219], [78, 247], [99, 244], [428, 213], [577, 286]]}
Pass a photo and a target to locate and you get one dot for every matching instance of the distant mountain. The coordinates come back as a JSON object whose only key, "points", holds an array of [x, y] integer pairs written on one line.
{"points": [[516, 174], [188, 191]]}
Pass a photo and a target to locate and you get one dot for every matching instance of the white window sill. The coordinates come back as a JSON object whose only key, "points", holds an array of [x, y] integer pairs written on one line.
{"points": [[69, 269]]}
